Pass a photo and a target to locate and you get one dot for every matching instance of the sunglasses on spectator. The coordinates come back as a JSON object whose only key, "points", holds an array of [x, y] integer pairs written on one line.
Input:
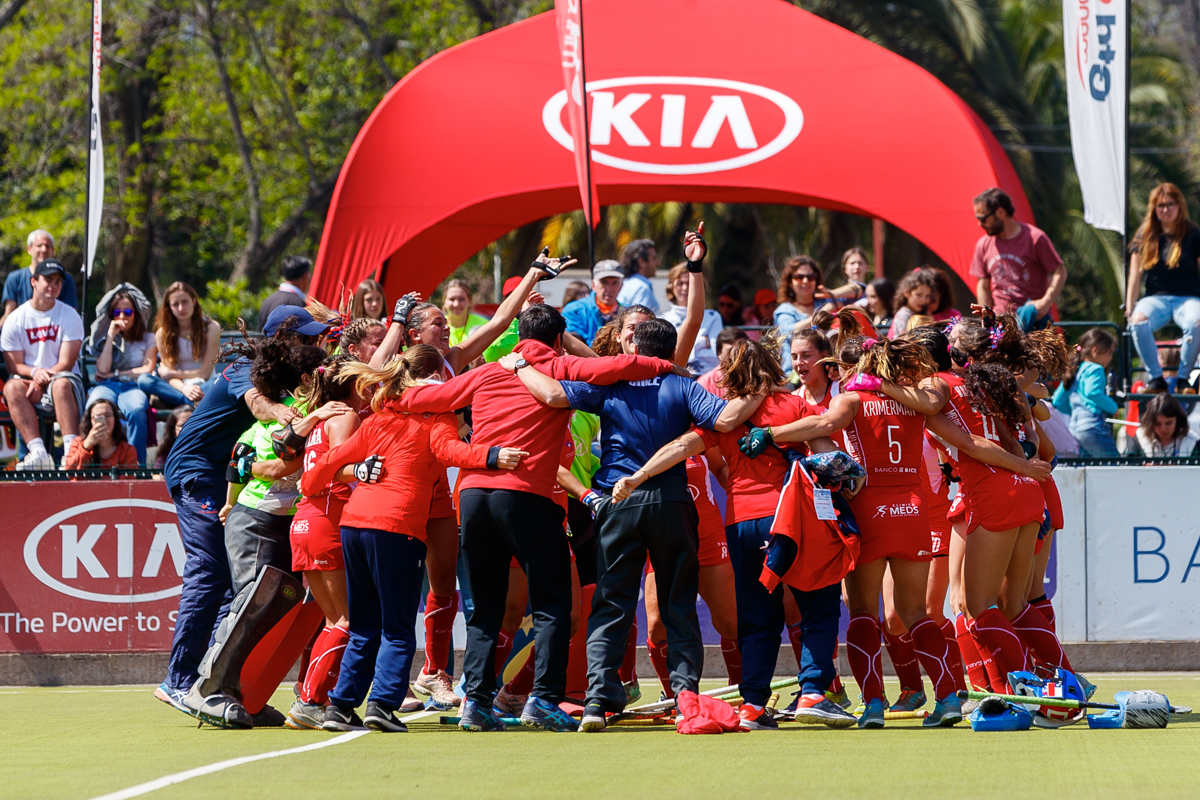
{"points": [[122, 312], [1168, 205], [804, 276], [985, 217]]}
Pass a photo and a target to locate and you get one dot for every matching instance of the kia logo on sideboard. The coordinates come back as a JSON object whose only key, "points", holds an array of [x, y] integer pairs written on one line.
{"points": [[124, 550], [680, 126]]}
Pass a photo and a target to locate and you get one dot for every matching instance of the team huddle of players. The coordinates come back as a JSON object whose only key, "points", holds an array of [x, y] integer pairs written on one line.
{"points": [[345, 482]]}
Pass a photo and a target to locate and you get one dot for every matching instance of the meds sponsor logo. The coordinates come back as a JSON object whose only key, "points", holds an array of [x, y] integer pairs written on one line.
{"points": [[680, 125]]}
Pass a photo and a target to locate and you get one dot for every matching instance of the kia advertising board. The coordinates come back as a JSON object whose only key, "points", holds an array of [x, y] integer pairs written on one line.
{"points": [[88, 567]]}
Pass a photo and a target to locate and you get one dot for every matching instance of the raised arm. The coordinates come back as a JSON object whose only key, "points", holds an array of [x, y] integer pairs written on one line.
{"points": [[695, 249], [670, 454]]}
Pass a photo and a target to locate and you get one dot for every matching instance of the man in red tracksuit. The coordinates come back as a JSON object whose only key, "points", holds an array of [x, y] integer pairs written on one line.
{"points": [[514, 514]]}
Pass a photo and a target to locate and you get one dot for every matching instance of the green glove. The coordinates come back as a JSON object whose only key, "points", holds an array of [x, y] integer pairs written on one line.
{"points": [[755, 443]]}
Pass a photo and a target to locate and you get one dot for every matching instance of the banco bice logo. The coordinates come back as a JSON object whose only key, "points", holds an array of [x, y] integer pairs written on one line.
{"points": [[124, 550], [680, 125]]}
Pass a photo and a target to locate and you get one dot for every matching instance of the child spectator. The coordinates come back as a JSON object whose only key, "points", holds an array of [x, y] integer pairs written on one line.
{"points": [[923, 291], [1083, 395], [187, 343], [101, 442], [1163, 430], [369, 300], [174, 424], [576, 290], [881, 297], [124, 351]]}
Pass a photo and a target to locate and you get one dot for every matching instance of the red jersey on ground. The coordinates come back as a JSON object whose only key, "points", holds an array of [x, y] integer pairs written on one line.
{"points": [[754, 484], [886, 438]]}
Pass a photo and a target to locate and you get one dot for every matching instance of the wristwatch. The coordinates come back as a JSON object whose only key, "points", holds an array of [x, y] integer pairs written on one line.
{"points": [[521, 362]]}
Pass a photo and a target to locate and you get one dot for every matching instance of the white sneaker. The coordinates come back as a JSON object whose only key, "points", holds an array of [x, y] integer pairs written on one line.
{"points": [[35, 460], [438, 687]]}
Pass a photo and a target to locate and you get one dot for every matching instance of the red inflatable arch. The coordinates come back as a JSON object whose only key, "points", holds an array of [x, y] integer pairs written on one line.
{"points": [[737, 101]]}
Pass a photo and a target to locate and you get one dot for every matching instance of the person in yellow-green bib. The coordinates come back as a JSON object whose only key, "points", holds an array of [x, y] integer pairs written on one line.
{"points": [[457, 306]]}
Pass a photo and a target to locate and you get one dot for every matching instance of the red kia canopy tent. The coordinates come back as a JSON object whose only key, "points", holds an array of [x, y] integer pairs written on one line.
{"points": [[736, 101]]}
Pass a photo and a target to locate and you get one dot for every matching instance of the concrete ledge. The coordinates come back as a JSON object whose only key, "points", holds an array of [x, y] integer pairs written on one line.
{"points": [[41, 669]]}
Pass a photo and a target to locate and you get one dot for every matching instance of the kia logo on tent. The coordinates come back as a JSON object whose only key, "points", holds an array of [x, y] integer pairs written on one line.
{"points": [[680, 126], [124, 550]]}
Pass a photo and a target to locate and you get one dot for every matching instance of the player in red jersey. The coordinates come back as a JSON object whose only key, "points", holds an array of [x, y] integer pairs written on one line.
{"points": [[754, 487], [413, 323]]}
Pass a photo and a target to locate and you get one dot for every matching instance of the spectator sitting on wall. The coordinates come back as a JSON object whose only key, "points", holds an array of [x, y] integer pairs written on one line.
{"points": [[797, 298], [1015, 264], [297, 275], [187, 343], [585, 317], [174, 425], [1166, 249], [729, 305], [881, 296], [1083, 394], [725, 339], [124, 351], [18, 287], [101, 441], [1163, 430], [458, 305], [369, 301], [703, 357], [575, 290], [41, 342], [639, 263]]}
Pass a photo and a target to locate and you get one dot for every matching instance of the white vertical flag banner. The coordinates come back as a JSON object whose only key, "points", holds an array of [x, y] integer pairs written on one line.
{"points": [[95, 200], [1094, 41]]}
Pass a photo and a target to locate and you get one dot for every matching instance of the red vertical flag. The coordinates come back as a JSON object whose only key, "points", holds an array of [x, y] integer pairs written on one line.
{"points": [[570, 45]]}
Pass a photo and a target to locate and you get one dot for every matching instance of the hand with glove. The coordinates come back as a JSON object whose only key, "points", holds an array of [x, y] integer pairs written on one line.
{"points": [[695, 248], [756, 442], [240, 464], [369, 470], [551, 266], [593, 500], [404, 308]]}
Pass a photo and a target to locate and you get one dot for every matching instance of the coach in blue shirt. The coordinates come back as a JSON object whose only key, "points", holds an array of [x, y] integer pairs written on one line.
{"points": [[658, 518], [195, 476]]}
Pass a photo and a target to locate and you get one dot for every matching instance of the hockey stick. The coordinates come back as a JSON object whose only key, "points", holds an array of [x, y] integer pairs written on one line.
{"points": [[723, 693], [1055, 702]]}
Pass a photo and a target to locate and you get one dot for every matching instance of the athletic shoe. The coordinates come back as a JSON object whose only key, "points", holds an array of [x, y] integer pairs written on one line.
{"points": [[593, 718], [268, 717], [38, 460], [909, 700], [633, 692], [477, 718], [817, 709], [173, 698], [839, 698], [872, 715], [438, 687], [1089, 688], [752, 719], [411, 703], [509, 704], [946, 712], [382, 719], [341, 719], [539, 713], [219, 710], [790, 711], [863, 706], [306, 715]]}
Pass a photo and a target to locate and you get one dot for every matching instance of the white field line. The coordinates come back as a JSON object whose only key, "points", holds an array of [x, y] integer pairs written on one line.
{"points": [[179, 777]]}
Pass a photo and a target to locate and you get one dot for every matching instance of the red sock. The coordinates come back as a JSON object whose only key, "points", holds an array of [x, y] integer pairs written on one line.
{"points": [[522, 682], [904, 660], [934, 654], [325, 665], [1036, 632], [733, 660], [1043, 605], [628, 670], [972, 657], [504, 646], [997, 633], [440, 611], [955, 660], [658, 657], [996, 681], [862, 648], [796, 636], [306, 654]]}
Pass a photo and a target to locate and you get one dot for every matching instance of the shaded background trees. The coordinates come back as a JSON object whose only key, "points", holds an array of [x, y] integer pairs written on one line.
{"points": [[226, 122]]}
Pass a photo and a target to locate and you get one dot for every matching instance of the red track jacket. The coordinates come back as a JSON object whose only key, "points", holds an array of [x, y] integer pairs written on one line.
{"points": [[505, 414]]}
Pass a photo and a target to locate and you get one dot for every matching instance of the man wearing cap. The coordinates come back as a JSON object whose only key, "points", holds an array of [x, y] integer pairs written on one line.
{"points": [[41, 341], [639, 263], [586, 316], [18, 286], [297, 274], [195, 477]]}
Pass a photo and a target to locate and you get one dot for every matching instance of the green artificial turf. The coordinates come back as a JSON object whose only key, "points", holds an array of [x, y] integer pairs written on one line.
{"points": [[81, 743]]}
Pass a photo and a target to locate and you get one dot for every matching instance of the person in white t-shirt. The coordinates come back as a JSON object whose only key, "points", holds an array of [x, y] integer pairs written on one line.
{"points": [[41, 341]]}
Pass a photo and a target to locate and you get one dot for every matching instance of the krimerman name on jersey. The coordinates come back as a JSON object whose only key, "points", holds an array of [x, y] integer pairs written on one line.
{"points": [[885, 407]]}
